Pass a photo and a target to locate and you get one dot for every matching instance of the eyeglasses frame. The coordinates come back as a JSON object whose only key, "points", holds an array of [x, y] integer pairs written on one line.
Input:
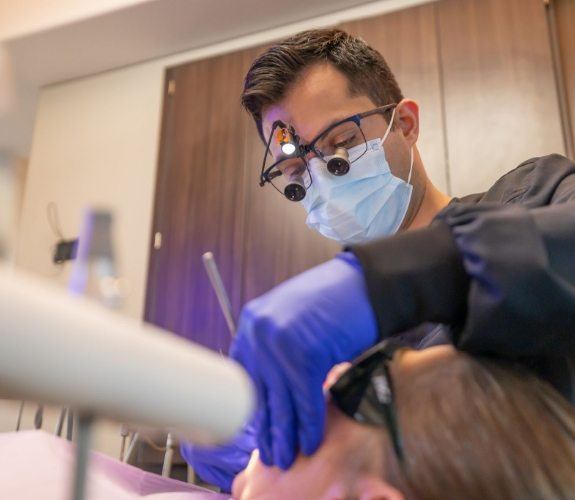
{"points": [[382, 352], [302, 150]]}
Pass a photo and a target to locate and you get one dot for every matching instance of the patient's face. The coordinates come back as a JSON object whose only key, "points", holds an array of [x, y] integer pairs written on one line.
{"points": [[337, 470], [318, 476]]}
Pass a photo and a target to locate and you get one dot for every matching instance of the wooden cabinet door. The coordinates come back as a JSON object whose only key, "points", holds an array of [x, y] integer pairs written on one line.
{"points": [[564, 11], [199, 199], [501, 105], [407, 39]]}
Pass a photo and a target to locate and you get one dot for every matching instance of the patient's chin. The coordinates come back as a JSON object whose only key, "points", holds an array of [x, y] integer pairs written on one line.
{"points": [[239, 485], [256, 481]]}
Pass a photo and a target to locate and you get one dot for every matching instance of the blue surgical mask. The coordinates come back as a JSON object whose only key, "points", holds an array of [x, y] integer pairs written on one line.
{"points": [[368, 202]]}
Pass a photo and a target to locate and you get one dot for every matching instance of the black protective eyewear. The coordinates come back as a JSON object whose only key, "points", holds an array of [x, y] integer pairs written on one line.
{"points": [[336, 155], [365, 392]]}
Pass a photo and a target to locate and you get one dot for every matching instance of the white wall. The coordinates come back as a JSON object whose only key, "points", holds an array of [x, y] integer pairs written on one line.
{"points": [[95, 143]]}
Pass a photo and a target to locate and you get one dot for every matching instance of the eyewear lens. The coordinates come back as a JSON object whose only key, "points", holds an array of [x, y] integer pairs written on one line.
{"points": [[347, 135], [291, 178], [365, 392]]}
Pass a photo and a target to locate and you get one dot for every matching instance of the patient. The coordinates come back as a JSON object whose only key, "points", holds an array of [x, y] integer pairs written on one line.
{"points": [[436, 424]]}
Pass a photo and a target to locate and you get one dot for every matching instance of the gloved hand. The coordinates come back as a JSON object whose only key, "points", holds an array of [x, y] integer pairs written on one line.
{"points": [[289, 338], [219, 465]]}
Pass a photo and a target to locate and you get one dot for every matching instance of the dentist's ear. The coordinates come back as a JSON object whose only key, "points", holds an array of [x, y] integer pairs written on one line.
{"points": [[375, 488], [407, 117]]}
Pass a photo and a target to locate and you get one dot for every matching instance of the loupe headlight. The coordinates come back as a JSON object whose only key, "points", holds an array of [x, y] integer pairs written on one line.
{"points": [[287, 141], [338, 164], [295, 190]]}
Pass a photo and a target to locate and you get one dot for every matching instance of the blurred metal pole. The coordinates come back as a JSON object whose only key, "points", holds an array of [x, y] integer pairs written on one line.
{"points": [[133, 443], [39, 417], [125, 433], [82, 456], [221, 294], [168, 456], [70, 425], [60, 422], [20, 413], [7, 206]]}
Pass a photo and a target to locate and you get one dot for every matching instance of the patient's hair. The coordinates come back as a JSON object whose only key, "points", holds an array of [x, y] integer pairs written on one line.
{"points": [[479, 429]]}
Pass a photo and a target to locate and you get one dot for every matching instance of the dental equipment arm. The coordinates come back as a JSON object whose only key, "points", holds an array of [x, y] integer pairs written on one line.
{"points": [[64, 350]]}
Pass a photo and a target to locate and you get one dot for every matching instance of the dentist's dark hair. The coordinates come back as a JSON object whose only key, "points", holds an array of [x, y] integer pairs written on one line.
{"points": [[271, 74]]}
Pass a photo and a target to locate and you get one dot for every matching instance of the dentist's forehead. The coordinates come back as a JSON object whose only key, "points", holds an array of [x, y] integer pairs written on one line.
{"points": [[306, 125], [318, 98]]}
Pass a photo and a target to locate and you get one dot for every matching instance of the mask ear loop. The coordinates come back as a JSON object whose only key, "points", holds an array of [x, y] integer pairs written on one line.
{"points": [[410, 151], [410, 165]]}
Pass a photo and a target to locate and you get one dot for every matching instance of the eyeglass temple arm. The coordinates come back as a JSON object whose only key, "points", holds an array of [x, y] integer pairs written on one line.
{"points": [[277, 123]]}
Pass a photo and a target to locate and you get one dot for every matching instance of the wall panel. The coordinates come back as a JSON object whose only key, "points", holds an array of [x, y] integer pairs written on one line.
{"points": [[565, 15], [199, 200], [500, 98], [407, 39]]}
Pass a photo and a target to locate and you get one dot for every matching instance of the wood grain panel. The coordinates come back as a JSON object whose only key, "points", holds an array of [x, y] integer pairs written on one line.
{"points": [[157, 282], [407, 40], [277, 244], [565, 15], [199, 204], [500, 97]]}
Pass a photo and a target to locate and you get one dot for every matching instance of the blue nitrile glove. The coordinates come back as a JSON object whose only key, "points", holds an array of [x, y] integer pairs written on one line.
{"points": [[289, 338], [219, 465]]}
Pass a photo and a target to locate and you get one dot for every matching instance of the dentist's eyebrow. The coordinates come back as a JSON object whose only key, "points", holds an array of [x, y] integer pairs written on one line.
{"points": [[326, 126]]}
